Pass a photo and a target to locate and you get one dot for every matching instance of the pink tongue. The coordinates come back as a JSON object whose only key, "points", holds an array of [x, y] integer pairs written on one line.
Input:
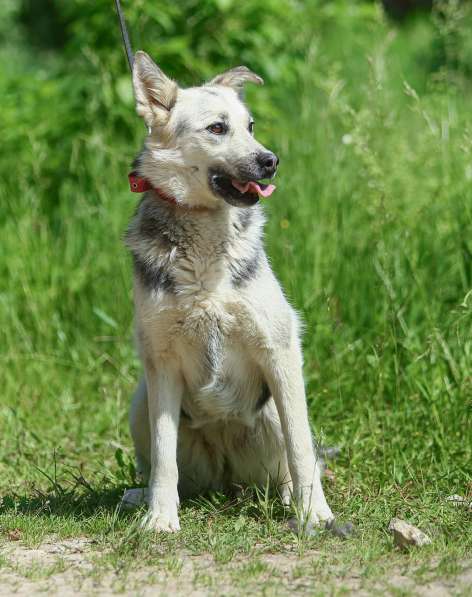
{"points": [[253, 187]]}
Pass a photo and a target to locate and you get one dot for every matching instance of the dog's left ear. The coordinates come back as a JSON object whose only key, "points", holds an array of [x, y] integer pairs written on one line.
{"points": [[236, 78], [155, 93]]}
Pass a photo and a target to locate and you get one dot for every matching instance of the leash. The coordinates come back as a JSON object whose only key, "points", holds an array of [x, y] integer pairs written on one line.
{"points": [[124, 35]]}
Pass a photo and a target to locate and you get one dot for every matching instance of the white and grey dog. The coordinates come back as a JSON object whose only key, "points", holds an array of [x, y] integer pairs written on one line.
{"points": [[222, 402]]}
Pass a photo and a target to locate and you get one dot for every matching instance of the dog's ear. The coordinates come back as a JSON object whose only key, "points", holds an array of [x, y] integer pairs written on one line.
{"points": [[155, 93], [236, 78]]}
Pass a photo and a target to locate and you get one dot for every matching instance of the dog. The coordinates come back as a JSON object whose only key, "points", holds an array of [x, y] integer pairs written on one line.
{"points": [[222, 401]]}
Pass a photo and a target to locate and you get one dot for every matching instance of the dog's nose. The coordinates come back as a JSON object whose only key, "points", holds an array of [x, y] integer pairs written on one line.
{"points": [[269, 161]]}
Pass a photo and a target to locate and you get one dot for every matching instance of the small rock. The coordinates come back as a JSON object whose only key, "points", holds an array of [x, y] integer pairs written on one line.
{"points": [[343, 531], [458, 500], [133, 498], [308, 529], [406, 535]]}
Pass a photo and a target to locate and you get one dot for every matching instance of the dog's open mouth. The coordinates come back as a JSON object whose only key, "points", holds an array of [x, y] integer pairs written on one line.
{"points": [[253, 186], [238, 192]]}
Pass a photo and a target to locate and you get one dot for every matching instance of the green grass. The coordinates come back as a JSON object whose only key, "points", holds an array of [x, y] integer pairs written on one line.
{"points": [[370, 234]]}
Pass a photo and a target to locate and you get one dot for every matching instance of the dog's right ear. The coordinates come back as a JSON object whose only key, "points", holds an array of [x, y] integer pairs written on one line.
{"points": [[236, 78], [155, 93]]}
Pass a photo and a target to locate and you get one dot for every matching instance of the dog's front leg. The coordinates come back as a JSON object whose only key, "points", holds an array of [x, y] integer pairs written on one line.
{"points": [[283, 370], [165, 388]]}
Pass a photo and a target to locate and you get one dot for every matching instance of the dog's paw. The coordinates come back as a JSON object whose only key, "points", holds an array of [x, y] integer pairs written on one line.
{"points": [[311, 518], [321, 512], [286, 492], [165, 520]]}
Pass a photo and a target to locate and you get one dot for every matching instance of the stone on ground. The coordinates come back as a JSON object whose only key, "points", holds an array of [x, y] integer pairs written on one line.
{"points": [[406, 535]]}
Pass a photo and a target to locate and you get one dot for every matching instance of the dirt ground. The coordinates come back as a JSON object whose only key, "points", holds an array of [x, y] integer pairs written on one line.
{"points": [[70, 568]]}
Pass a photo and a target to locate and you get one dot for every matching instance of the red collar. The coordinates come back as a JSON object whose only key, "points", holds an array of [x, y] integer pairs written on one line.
{"points": [[139, 184]]}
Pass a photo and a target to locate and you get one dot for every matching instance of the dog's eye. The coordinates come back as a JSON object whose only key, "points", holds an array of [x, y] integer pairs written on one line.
{"points": [[217, 128], [251, 127]]}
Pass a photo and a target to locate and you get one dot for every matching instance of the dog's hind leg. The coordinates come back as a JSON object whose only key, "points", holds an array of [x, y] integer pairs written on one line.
{"points": [[201, 461], [257, 454], [140, 430], [139, 427]]}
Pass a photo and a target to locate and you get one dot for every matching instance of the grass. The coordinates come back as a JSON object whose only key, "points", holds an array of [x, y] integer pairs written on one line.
{"points": [[369, 232]]}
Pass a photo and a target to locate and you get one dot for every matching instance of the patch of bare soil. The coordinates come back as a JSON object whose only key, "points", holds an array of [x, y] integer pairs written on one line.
{"points": [[67, 568], [460, 584]]}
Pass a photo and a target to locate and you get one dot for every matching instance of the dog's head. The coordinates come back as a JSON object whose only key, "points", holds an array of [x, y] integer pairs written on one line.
{"points": [[201, 147]]}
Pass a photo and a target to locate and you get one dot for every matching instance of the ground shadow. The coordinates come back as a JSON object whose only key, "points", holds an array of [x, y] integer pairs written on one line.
{"points": [[83, 500], [74, 497]]}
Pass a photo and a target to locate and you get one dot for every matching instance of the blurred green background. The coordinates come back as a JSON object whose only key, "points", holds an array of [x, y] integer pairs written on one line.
{"points": [[370, 230]]}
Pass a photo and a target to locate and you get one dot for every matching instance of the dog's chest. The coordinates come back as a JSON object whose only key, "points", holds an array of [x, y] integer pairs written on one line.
{"points": [[222, 382], [199, 276], [196, 320], [203, 332]]}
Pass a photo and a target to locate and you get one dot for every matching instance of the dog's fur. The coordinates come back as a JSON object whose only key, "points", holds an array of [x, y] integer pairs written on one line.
{"points": [[222, 402]]}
